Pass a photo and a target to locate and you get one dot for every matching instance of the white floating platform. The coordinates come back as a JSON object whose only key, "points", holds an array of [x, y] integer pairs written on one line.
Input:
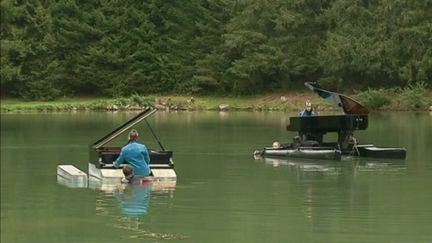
{"points": [[114, 175], [164, 174], [117, 174], [70, 176], [160, 186], [163, 185], [109, 180], [108, 186]]}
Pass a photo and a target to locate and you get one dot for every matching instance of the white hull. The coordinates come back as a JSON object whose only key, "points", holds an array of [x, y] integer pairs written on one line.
{"points": [[108, 180]]}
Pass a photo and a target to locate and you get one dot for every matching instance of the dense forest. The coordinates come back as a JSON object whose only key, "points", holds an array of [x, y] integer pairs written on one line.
{"points": [[56, 48]]}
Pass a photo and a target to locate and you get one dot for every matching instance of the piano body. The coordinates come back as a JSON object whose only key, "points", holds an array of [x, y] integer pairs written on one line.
{"points": [[101, 158], [313, 128]]}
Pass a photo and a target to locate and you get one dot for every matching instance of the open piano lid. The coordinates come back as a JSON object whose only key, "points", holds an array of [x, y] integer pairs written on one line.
{"points": [[343, 103], [121, 129]]}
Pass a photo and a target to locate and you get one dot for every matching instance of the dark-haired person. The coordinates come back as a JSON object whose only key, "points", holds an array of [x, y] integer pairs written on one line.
{"points": [[136, 155], [307, 111]]}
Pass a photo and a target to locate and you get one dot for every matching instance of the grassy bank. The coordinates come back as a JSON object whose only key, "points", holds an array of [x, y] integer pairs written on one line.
{"points": [[373, 99], [167, 102]]}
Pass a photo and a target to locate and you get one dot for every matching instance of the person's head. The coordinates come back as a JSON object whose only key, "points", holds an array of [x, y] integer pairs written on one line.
{"points": [[276, 144], [133, 134], [308, 105], [128, 172]]}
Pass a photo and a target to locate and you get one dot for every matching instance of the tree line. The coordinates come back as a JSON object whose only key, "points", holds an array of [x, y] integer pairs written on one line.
{"points": [[56, 48]]}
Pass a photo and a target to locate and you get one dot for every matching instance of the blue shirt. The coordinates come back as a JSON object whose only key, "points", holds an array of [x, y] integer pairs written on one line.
{"points": [[307, 113], [137, 156]]}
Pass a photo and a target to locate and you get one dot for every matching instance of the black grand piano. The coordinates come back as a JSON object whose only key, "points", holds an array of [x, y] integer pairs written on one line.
{"points": [[311, 129], [102, 158]]}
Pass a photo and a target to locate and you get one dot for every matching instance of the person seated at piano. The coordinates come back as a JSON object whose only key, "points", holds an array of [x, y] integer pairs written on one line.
{"points": [[308, 110], [136, 155]]}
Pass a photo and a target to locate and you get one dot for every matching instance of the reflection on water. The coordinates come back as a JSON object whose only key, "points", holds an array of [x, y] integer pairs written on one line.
{"points": [[347, 165], [133, 201], [350, 167], [71, 183], [134, 227], [305, 168], [380, 165], [336, 189]]}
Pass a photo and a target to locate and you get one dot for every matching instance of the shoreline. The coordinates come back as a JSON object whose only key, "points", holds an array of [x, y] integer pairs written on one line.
{"points": [[272, 102]]}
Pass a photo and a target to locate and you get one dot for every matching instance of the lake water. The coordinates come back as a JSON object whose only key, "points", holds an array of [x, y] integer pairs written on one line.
{"points": [[222, 194]]}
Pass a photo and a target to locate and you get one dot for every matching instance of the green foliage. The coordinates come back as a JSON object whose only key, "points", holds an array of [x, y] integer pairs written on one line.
{"points": [[29, 65], [374, 98], [266, 45], [414, 96], [51, 49], [97, 105], [369, 44], [121, 101], [142, 100]]}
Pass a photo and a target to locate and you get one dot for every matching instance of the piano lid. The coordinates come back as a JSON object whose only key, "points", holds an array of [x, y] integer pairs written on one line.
{"points": [[126, 126], [343, 103]]}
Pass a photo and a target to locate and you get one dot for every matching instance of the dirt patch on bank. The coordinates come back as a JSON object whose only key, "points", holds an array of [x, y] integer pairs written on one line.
{"points": [[295, 99]]}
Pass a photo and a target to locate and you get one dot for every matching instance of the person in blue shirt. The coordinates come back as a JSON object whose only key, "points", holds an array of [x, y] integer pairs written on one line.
{"points": [[136, 155], [308, 110]]}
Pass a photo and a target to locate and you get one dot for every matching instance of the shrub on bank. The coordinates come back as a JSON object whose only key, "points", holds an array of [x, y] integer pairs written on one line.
{"points": [[121, 101], [413, 96], [374, 98], [141, 100], [97, 105]]}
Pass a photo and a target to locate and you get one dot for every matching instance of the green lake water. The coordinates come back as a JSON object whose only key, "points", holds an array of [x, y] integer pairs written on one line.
{"points": [[222, 193]]}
